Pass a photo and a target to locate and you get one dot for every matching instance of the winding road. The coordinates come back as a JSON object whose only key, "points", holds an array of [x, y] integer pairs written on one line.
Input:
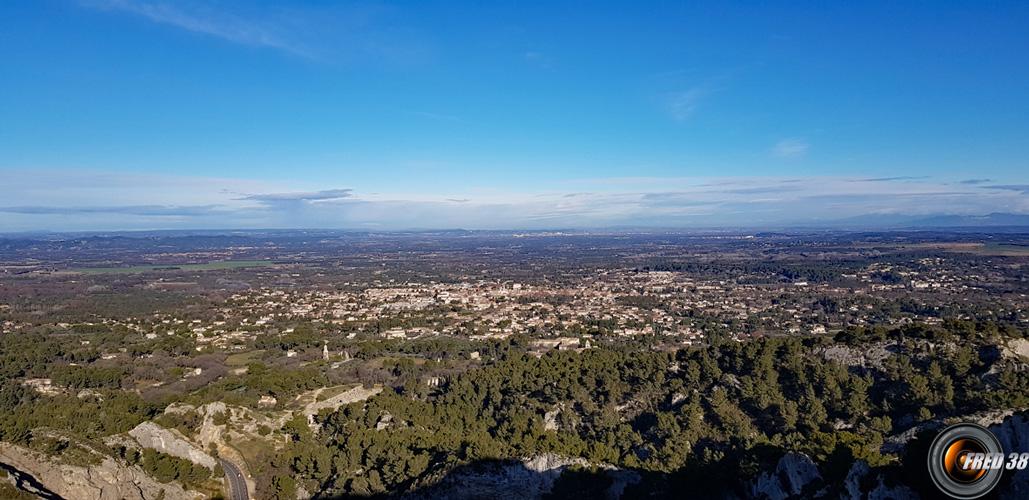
{"points": [[237, 484]]}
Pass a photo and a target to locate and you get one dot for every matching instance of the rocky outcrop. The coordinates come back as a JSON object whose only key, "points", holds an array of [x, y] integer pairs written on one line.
{"points": [[530, 478], [210, 432], [110, 480], [151, 435], [550, 420], [354, 395], [852, 483], [549, 463], [24, 482], [1013, 434], [897, 442], [872, 357], [1017, 349], [859, 474], [797, 476], [239, 424], [793, 473]]}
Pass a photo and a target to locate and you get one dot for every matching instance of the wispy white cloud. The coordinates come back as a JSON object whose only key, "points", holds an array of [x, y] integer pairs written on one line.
{"points": [[38, 200], [538, 59], [141, 210], [898, 178], [327, 194], [683, 104], [684, 93], [1020, 188], [325, 32], [790, 148], [208, 20]]}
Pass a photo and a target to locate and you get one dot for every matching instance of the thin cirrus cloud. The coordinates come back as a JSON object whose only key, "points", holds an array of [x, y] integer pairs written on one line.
{"points": [[1021, 188], [683, 104], [780, 188], [321, 32], [892, 179], [205, 19], [328, 194], [790, 148], [140, 210], [658, 202]]}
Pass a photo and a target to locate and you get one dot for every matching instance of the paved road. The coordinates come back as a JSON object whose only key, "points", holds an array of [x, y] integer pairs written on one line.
{"points": [[237, 485]]}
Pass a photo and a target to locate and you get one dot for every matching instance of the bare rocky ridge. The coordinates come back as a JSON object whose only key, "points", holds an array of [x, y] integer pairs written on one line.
{"points": [[110, 480], [1017, 349], [797, 476], [353, 395], [532, 477], [170, 441], [850, 356], [244, 425], [793, 472]]}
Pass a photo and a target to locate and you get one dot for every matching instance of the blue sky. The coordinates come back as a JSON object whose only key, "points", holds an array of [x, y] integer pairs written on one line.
{"points": [[134, 114]]}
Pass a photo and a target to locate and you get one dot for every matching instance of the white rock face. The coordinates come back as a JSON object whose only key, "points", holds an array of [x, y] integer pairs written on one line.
{"points": [[532, 478], [793, 472], [798, 470], [209, 432], [384, 421], [858, 473], [872, 357], [767, 486], [1013, 434], [550, 420], [549, 462], [151, 435], [354, 395], [852, 484], [1017, 349], [108, 481]]}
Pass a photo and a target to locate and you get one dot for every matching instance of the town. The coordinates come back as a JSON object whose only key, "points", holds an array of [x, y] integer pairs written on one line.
{"points": [[231, 350]]}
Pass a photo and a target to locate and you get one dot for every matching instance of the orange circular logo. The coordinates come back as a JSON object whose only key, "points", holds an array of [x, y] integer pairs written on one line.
{"points": [[963, 461], [954, 459]]}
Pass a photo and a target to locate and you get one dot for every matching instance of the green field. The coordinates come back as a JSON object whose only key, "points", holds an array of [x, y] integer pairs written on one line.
{"points": [[243, 358], [208, 266]]}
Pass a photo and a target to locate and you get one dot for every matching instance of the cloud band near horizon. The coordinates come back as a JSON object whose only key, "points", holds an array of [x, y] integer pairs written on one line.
{"points": [[585, 203]]}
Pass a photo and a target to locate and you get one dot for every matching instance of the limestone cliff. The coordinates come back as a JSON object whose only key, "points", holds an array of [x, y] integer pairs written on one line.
{"points": [[110, 480], [151, 435]]}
